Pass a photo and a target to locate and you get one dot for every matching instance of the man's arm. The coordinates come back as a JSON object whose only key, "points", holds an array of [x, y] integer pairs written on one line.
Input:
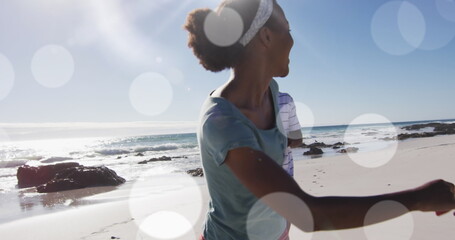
{"points": [[295, 138]]}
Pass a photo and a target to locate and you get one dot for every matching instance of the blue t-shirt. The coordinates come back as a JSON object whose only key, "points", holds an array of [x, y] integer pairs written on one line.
{"points": [[234, 212]]}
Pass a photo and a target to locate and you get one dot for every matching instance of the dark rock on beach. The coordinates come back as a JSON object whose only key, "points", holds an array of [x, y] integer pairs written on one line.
{"points": [[317, 144], [445, 128], [337, 145], [162, 158], [28, 176], [437, 126], [418, 126], [438, 129], [404, 136], [66, 176], [81, 177], [198, 172], [313, 151], [348, 150]]}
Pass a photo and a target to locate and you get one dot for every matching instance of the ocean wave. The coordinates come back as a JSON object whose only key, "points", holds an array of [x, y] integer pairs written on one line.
{"points": [[31, 158], [109, 152], [13, 163], [56, 159], [164, 147], [156, 148], [370, 133], [8, 175]]}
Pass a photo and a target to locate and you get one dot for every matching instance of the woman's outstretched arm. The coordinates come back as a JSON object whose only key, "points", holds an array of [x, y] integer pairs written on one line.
{"points": [[262, 176]]}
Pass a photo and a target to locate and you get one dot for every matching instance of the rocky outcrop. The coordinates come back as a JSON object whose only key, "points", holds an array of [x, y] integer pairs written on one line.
{"points": [[403, 136], [317, 144], [28, 176], [81, 177], [419, 126], [198, 172], [348, 150], [338, 145], [445, 128], [313, 151], [66, 176], [438, 129], [162, 158], [302, 145]]}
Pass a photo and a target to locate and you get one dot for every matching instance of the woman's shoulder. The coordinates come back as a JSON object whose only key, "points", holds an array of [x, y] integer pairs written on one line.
{"points": [[217, 108], [216, 104]]}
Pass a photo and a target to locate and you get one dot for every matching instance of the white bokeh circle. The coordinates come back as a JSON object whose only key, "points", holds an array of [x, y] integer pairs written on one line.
{"points": [[304, 116], [440, 31], [382, 152], [387, 32], [411, 24], [175, 76], [52, 66], [224, 28], [399, 228], [176, 195], [7, 76], [447, 9], [165, 225], [151, 94], [262, 220]]}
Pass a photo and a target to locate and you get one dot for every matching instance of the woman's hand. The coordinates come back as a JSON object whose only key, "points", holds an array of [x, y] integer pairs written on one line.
{"points": [[437, 195]]}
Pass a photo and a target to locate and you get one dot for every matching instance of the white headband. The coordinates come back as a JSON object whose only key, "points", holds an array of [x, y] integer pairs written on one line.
{"points": [[262, 15]]}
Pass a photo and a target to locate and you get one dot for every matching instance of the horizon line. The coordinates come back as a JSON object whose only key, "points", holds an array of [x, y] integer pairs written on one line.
{"points": [[176, 122]]}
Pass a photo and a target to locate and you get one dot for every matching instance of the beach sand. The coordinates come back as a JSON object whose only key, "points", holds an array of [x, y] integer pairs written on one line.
{"points": [[160, 207]]}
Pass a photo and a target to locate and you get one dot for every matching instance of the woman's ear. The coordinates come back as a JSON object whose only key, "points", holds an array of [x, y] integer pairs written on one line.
{"points": [[265, 36]]}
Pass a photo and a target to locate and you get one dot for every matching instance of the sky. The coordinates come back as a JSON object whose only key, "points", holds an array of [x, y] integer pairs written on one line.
{"points": [[122, 61]]}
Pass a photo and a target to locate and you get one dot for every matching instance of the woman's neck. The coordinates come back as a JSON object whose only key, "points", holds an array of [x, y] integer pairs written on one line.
{"points": [[248, 86]]}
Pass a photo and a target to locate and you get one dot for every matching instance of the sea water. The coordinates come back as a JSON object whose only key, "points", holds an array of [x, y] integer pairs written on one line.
{"points": [[123, 154]]}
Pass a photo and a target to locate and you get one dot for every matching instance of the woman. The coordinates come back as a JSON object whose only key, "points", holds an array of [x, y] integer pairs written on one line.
{"points": [[242, 145]]}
